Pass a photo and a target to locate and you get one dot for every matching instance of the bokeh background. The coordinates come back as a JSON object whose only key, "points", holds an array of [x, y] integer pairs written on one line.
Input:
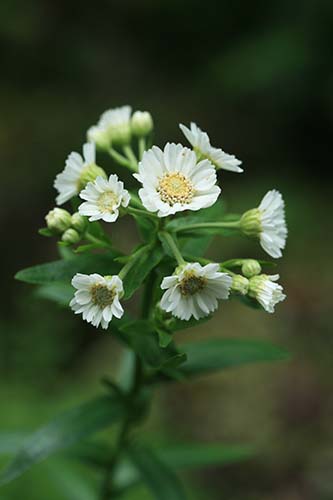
{"points": [[255, 75]]}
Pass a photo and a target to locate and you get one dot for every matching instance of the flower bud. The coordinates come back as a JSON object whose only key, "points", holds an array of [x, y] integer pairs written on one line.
{"points": [[58, 220], [251, 268], [141, 123], [266, 291], [239, 284], [250, 222], [78, 222], [99, 136], [71, 236], [89, 174]]}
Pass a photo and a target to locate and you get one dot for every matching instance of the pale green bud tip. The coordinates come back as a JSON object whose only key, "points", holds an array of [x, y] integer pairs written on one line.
{"points": [[99, 136], [256, 284], [58, 220], [89, 174], [78, 222], [71, 236], [251, 268], [240, 284], [250, 222], [141, 123]]}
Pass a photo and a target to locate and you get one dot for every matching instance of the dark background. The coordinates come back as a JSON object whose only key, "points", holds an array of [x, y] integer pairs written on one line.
{"points": [[255, 75]]}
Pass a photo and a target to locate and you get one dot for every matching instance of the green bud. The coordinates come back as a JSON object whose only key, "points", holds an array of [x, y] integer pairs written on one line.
{"points": [[78, 222], [250, 222], [251, 268], [99, 136], [239, 284], [256, 284], [89, 174], [120, 135], [71, 236], [58, 220], [141, 123]]}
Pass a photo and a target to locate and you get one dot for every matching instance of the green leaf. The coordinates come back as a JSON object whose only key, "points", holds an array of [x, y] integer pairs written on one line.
{"points": [[62, 432], [61, 293], [200, 455], [159, 478], [164, 337], [64, 270], [217, 354], [45, 231], [143, 265]]}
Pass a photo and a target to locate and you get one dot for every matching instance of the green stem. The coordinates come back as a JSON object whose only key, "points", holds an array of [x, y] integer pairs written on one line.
{"points": [[119, 158], [97, 241], [142, 146], [226, 270], [144, 213], [131, 156], [174, 248], [128, 266], [209, 225]]}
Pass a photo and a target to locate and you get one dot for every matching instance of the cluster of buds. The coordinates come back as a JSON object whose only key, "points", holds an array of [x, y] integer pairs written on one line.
{"points": [[173, 179], [70, 228]]}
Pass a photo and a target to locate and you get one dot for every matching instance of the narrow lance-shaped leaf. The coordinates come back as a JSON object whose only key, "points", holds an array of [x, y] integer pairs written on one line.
{"points": [[64, 270], [159, 478], [62, 432]]}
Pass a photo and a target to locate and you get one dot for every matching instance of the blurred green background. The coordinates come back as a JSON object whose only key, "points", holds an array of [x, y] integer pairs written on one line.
{"points": [[255, 75]]}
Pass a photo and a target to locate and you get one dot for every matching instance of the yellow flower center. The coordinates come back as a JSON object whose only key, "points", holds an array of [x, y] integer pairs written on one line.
{"points": [[191, 284], [102, 296], [175, 188], [107, 201]]}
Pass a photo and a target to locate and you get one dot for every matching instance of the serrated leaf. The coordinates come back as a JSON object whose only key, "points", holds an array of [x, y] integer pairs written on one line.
{"points": [[158, 477], [217, 354], [64, 270], [145, 263], [62, 432]]}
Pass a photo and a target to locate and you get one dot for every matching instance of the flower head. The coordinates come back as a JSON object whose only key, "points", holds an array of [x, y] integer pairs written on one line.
{"points": [[194, 289], [77, 172], [103, 199], [268, 223], [174, 181], [201, 144], [264, 289], [97, 298], [114, 127]]}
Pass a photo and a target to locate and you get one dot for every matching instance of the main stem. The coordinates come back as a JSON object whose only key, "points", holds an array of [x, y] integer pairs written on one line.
{"points": [[137, 384], [209, 225]]}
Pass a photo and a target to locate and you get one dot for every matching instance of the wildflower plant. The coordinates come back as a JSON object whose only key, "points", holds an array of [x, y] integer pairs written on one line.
{"points": [[178, 208]]}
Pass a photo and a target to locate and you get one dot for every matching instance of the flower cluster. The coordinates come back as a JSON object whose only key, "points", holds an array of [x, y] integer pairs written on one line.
{"points": [[174, 179]]}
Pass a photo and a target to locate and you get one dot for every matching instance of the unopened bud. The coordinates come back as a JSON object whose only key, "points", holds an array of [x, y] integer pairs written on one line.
{"points": [[239, 284], [58, 220], [251, 268], [71, 236], [141, 123], [78, 222]]}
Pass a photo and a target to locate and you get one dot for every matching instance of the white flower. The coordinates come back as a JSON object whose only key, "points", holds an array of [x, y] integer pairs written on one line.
{"points": [[273, 223], [265, 291], [114, 127], [201, 144], [97, 298], [173, 181], [77, 172], [103, 199], [194, 290]]}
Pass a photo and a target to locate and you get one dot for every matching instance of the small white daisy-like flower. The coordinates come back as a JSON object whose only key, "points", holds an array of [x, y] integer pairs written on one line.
{"points": [[77, 172], [201, 144], [268, 223], [114, 126], [194, 289], [264, 289], [97, 298], [174, 181], [103, 199]]}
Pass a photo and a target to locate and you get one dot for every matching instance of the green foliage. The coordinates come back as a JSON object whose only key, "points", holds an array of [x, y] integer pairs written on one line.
{"points": [[148, 259], [62, 432]]}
